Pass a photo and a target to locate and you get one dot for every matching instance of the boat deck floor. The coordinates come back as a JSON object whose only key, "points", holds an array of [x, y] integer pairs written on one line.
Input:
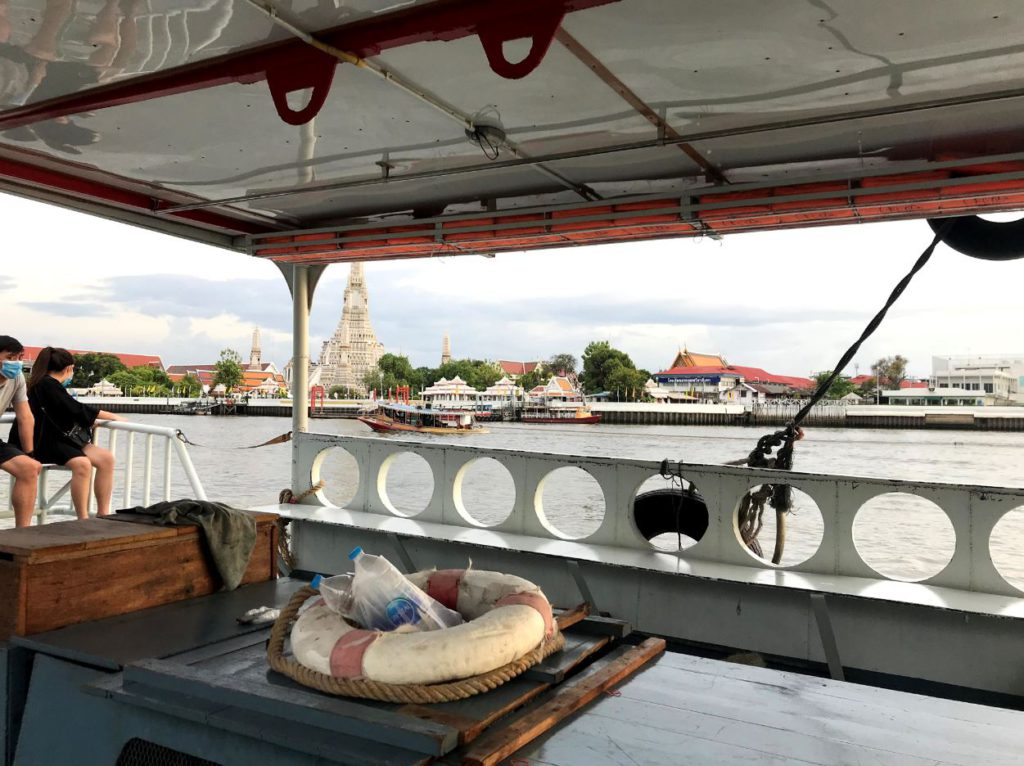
{"points": [[192, 660]]}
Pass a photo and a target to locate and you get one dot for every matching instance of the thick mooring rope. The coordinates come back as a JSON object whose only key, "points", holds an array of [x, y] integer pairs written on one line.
{"points": [[407, 694], [780, 496]]}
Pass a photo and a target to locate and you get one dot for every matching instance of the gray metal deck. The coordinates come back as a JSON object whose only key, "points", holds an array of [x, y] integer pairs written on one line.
{"points": [[185, 676], [687, 710]]}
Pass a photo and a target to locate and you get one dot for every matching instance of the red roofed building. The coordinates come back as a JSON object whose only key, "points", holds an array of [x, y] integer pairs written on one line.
{"points": [[266, 381], [516, 369], [732, 383], [128, 360]]}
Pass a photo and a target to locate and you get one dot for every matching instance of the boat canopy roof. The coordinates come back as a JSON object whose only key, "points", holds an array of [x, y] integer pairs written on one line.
{"points": [[423, 128], [408, 408]]}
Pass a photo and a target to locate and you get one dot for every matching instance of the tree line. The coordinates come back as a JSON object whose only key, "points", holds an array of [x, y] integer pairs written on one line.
{"points": [[605, 370]]}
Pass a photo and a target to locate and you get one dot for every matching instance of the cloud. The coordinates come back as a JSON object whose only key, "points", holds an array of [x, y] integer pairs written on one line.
{"points": [[70, 308], [254, 301], [7, 283]]}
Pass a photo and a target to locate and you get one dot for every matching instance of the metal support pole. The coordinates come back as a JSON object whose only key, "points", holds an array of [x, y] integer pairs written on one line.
{"points": [[827, 635], [300, 368]]}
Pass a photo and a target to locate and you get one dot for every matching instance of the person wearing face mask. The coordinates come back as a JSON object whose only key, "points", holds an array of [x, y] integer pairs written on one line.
{"points": [[63, 427], [13, 460]]}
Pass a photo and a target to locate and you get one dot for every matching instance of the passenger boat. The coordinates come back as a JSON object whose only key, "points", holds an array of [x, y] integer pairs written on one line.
{"points": [[624, 121], [399, 417], [559, 414]]}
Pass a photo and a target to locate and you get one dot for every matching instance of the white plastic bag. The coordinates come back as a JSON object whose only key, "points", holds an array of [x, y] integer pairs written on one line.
{"points": [[380, 597]]}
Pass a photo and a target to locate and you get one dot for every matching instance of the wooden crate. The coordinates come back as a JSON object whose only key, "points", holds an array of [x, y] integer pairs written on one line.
{"points": [[75, 571]]}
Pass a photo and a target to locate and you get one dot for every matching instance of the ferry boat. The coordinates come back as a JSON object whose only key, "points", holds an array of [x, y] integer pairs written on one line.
{"points": [[559, 414], [625, 120], [398, 417]]}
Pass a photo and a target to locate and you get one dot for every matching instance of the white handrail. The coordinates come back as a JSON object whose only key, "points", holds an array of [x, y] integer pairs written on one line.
{"points": [[175, 450]]}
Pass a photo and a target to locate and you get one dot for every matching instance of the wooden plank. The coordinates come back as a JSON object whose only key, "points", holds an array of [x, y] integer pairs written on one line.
{"points": [[566, 699], [122, 581], [69, 537], [577, 649], [163, 631], [12, 599], [301, 706], [596, 625], [569, 617]]}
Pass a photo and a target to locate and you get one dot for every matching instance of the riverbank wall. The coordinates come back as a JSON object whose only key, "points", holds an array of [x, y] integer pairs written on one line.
{"points": [[647, 414], [254, 407]]}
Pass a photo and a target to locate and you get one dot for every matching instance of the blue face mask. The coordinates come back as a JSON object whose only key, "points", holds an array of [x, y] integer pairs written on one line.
{"points": [[67, 383], [11, 369]]}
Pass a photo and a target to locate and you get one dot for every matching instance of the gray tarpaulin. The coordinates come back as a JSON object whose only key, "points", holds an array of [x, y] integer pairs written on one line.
{"points": [[229, 532]]}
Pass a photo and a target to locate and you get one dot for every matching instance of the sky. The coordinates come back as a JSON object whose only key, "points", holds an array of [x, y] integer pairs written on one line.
{"points": [[790, 302]]}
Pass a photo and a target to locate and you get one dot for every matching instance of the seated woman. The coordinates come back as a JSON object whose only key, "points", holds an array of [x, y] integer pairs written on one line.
{"points": [[57, 440]]}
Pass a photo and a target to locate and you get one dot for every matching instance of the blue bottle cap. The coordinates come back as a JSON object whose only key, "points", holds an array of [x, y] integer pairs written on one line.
{"points": [[315, 583], [356, 553]]}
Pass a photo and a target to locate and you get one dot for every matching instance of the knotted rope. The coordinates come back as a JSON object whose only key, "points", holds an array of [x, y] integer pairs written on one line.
{"points": [[404, 694], [780, 496]]}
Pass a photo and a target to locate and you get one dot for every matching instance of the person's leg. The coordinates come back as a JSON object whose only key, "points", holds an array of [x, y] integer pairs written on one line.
{"points": [[81, 472], [25, 471], [103, 461]]}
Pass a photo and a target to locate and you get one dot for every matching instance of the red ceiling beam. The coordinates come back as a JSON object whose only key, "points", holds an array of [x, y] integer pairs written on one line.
{"points": [[441, 21], [95, 191]]}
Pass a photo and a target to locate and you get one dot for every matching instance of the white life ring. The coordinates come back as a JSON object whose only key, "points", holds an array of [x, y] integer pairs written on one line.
{"points": [[507, 617]]}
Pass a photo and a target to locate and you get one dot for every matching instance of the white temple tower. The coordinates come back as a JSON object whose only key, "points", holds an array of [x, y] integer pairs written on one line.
{"points": [[255, 361], [353, 350], [446, 350]]}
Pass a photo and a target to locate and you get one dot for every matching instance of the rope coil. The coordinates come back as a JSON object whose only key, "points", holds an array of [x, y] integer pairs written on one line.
{"points": [[403, 694]]}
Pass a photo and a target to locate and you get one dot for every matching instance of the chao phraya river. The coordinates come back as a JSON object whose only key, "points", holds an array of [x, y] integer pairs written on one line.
{"points": [[906, 537]]}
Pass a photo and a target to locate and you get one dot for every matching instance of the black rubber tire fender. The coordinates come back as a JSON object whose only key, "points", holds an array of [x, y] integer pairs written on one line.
{"points": [[663, 510], [978, 238]]}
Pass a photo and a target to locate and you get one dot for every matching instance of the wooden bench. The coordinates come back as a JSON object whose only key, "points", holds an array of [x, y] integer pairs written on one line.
{"points": [[69, 572]]}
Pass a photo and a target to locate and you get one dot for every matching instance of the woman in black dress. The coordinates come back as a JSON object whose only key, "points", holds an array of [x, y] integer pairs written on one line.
{"points": [[57, 412]]}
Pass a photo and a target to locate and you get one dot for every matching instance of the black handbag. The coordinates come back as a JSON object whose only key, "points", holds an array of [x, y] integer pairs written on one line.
{"points": [[78, 435]]}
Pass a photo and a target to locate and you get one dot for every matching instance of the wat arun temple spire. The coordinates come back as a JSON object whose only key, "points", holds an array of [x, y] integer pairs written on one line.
{"points": [[353, 350]]}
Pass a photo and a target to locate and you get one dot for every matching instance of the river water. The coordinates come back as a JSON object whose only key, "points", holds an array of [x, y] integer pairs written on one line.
{"points": [[898, 534]]}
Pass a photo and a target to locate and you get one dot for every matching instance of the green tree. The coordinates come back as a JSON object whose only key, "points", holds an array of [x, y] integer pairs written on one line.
{"points": [[562, 364], [90, 369], [126, 381], [342, 392], [391, 372], [601, 370], [189, 386], [538, 376], [228, 370], [154, 382], [626, 383], [890, 371], [840, 387]]}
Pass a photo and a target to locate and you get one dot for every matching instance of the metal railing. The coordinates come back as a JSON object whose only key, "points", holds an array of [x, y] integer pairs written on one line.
{"points": [[972, 512], [159, 444]]}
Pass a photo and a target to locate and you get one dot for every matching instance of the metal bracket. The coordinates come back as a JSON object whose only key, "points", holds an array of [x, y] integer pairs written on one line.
{"points": [[827, 635], [314, 70], [539, 26], [315, 272], [581, 583], [403, 554]]}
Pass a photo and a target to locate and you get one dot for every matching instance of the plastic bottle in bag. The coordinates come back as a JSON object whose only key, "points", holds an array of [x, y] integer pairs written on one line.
{"points": [[384, 599], [337, 593]]}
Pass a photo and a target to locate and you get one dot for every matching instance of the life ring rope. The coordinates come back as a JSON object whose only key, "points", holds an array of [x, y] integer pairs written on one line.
{"points": [[397, 693]]}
